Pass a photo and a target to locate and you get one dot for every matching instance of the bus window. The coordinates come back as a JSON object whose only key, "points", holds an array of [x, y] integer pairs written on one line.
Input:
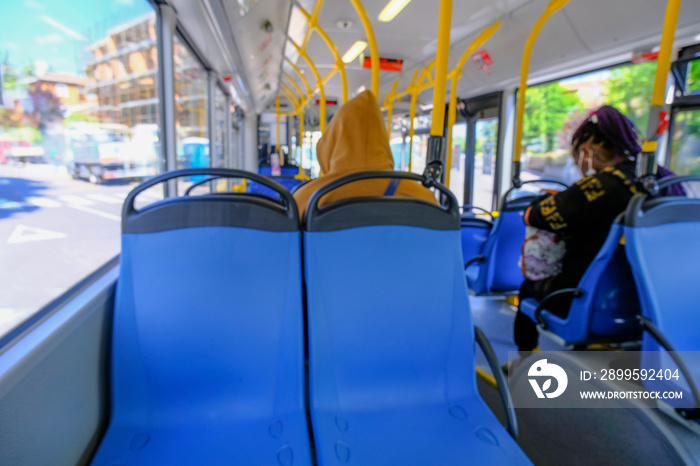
{"points": [[78, 127], [554, 110], [485, 161], [685, 143]]}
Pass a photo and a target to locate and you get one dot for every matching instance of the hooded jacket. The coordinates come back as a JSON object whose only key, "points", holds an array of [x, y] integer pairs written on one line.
{"points": [[355, 141]]}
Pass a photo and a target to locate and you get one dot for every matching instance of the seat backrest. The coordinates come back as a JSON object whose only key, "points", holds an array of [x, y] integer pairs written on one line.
{"points": [[208, 313], [662, 239], [610, 304], [474, 232], [388, 309], [663, 245]]}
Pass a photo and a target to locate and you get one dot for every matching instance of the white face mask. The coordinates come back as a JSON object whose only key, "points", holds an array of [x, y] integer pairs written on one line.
{"points": [[589, 171]]}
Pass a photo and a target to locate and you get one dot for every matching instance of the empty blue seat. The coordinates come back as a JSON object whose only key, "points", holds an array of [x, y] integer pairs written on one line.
{"points": [[288, 181], [496, 269], [207, 349], [662, 239], [606, 303], [474, 231], [391, 340]]}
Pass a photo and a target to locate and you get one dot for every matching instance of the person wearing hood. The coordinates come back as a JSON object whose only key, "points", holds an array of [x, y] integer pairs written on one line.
{"points": [[356, 141]]}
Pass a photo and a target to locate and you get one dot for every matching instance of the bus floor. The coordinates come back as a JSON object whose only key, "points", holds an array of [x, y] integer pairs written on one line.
{"points": [[495, 317]]}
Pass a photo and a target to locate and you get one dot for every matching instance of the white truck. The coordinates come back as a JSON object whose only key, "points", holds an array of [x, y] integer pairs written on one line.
{"points": [[102, 152]]}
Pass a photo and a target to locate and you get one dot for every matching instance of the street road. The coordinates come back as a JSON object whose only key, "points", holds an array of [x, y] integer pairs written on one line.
{"points": [[54, 231]]}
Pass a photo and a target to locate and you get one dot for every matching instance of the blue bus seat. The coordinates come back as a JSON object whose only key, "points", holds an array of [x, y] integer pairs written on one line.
{"points": [[207, 346], [391, 340], [606, 310], [496, 270], [662, 240], [474, 231], [288, 181]]}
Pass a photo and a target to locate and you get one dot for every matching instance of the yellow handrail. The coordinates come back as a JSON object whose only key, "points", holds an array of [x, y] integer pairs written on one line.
{"points": [[339, 65], [389, 104], [454, 76], [310, 30], [302, 99], [303, 79], [552, 8], [443, 55], [663, 66], [322, 94], [374, 53]]}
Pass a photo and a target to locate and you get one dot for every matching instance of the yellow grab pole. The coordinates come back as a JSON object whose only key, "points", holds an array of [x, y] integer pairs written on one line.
{"points": [[339, 64], [277, 133], [443, 54], [389, 104], [303, 78], [552, 8], [454, 76], [322, 94], [374, 53], [663, 65]]}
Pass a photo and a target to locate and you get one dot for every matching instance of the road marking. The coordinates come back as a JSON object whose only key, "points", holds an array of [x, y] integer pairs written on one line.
{"points": [[121, 196], [75, 200], [95, 212], [9, 205], [25, 234], [104, 198], [43, 201]]}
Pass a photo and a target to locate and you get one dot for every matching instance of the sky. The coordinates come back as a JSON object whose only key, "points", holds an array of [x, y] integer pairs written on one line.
{"points": [[53, 33]]}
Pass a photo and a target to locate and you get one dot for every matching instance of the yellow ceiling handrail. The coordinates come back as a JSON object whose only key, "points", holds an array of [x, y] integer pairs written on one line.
{"points": [[322, 94], [454, 76], [552, 8], [310, 30], [302, 99], [339, 65], [374, 52], [303, 79]]}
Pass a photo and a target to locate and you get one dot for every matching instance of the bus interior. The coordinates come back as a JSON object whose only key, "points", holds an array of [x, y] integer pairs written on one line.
{"points": [[165, 303]]}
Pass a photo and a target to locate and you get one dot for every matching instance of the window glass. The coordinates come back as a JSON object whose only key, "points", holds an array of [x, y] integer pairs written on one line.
{"points": [[692, 83], [485, 162], [554, 110], [190, 108], [78, 128], [685, 143], [457, 170], [220, 129]]}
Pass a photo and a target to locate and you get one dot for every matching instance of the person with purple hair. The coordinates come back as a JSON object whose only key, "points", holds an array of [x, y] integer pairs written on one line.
{"points": [[604, 147]]}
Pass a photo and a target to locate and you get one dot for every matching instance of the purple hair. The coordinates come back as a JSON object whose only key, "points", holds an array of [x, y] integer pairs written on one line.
{"points": [[617, 133], [611, 128]]}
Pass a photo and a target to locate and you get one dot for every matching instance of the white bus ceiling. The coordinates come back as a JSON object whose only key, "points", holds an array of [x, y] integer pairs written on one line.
{"points": [[584, 35]]}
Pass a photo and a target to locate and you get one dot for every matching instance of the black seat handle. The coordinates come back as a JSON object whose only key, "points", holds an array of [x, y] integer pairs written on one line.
{"points": [[635, 208], [312, 208], [200, 183], [542, 180], [286, 201]]}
